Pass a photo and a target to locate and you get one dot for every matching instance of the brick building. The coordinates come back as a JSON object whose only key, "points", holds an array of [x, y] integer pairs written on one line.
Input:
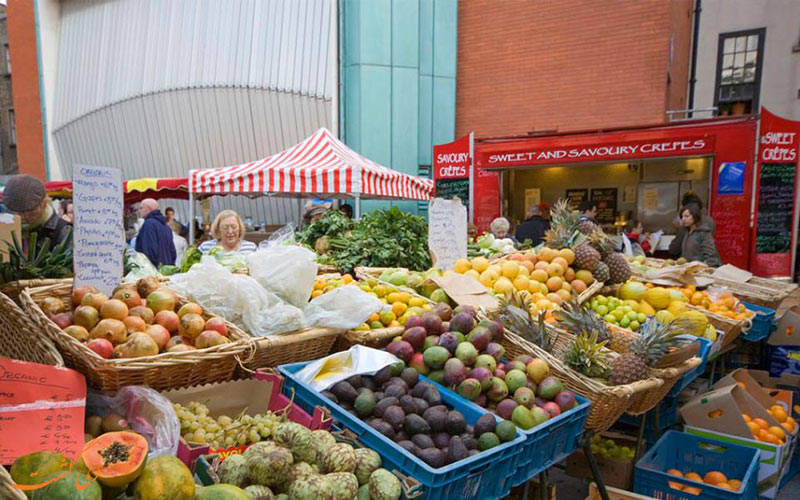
{"points": [[570, 65], [8, 130]]}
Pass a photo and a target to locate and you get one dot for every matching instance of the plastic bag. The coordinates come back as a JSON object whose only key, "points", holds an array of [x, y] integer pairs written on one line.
{"points": [[137, 266], [287, 271], [147, 412], [232, 261], [358, 360], [345, 307], [282, 236]]}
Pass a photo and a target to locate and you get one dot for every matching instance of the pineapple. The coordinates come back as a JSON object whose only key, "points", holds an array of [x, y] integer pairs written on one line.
{"points": [[618, 268], [655, 341], [586, 257], [515, 314], [580, 319], [601, 272], [587, 227], [563, 225], [601, 242], [584, 355]]}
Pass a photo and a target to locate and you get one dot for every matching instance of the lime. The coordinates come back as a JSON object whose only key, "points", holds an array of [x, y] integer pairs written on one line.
{"points": [[610, 318], [619, 314], [641, 318], [632, 315], [624, 322], [602, 300], [634, 325], [602, 310]]}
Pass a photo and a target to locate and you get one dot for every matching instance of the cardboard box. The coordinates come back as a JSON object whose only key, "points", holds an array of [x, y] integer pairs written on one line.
{"points": [[614, 494], [766, 398], [253, 396], [615, 472], [778, 387], [8, 223], [784, 355], [721, 410]]}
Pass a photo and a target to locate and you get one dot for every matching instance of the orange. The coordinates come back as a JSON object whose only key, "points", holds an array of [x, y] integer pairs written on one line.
{"points": [[715, 414], [735, 484], [754, 428], [787, 426], [746, 417], [715, 477], [691, 490], [761, 423], [724, 486], [778, 413], [693, 476], [741, 385], [769, 438], [791, 422], [777, 432], [674, 485]]}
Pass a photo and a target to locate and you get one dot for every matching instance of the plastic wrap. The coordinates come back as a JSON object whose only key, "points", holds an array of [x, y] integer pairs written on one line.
{"points": [[358, 360], [287, 271], [345, 307], [137, 266], [147, 412]]}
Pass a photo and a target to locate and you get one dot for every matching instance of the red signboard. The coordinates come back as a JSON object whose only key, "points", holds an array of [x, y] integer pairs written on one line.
{"points": [[451, 164], [775, 230], [487, 198]]}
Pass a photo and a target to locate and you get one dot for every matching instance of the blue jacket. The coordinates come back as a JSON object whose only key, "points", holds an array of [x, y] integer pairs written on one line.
{"points": [[155, 240]]}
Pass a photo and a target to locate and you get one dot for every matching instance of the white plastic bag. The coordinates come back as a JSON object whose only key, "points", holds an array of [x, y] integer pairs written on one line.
{"points": [[285, 270], [147, 412], [358, 360], [345, 307], [282, 236]]}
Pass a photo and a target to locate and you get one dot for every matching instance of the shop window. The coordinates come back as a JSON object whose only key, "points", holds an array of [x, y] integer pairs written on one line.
{"points": [[12, 128], [739, 61], [8, 59]]}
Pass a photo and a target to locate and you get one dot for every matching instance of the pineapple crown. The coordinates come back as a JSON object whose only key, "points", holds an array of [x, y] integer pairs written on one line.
{"points": [[656, 338], [585, 355], [515, 314], [580, 319]]}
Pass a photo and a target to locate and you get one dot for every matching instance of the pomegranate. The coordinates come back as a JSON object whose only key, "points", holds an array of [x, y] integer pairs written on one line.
{"points": [[159, 334], [168, 320], [217, 324], [78, 293], [101, 347], [191, 325]]}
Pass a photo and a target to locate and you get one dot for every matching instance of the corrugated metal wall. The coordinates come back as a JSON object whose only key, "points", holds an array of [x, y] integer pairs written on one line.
{"points": [[157, 87]]}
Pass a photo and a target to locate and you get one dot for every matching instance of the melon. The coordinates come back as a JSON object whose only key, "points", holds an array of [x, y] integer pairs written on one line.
{"points": [[116, 458], [657, 297], [646, 308], [73, 486], [699, 319], [664, 316], [31, 468], [165, 477], [221, 492], [677, 295], [676, 307], [632, 290]]}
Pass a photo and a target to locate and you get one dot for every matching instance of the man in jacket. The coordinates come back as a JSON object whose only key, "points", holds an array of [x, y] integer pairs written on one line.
{"points": [[533, 228], [155, 237], [26, 196]]}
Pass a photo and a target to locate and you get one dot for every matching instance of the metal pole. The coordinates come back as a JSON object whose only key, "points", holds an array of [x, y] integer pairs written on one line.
{"points": [[358, 207], [191, 217]]}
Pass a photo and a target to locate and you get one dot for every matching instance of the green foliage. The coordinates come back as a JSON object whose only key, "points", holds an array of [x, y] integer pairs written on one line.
{"points": [[37, 263]]}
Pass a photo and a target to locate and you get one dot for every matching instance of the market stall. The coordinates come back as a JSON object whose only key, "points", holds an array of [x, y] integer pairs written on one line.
{"points": [[134, 190]]}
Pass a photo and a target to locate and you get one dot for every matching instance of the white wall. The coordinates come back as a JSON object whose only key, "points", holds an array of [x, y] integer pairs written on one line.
{"points": [[780, 78], [49, 16]]}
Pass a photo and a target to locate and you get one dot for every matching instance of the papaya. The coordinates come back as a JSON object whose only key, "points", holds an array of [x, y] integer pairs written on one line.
{"points": [[115, 458], [164, 477], [30, 469], [221, 492], [73, 486]]}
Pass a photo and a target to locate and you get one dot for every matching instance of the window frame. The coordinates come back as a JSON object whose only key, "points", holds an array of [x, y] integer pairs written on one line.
{"points": [[12, 128], [8, 58], [762, 37]]}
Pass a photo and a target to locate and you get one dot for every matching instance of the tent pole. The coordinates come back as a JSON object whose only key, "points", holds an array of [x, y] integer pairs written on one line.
{"points": [[299, 213], [191, 217], [358, 207]]}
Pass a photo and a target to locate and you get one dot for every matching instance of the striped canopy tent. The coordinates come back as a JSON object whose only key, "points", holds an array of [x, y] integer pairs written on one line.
{"points": [[134, 190], [321, 166]]}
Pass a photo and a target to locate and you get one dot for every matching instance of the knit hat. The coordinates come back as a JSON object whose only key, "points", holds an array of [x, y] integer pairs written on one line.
{"points": [[23, 193]]}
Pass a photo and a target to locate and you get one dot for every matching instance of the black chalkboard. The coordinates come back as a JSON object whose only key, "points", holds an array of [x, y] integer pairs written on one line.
{"points": [[775, 208], [575, 197], [448, 188], [606, 199]]}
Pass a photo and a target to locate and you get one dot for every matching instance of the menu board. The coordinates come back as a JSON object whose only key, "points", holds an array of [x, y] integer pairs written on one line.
{"points": [[606, 200], [99, 235], [447, 232], [575, 197], [449, 188], [775, 208]]}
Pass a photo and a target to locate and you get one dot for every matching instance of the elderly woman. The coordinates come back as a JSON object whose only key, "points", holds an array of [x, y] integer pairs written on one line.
{"points": [[500, 227], [228, 232]]}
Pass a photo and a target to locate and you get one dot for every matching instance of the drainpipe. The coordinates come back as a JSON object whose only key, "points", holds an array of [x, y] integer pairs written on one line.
{"points": [[693, 63]]}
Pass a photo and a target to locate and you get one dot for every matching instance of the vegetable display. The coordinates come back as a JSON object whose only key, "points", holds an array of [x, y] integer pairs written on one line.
{"points": [[37, 263]]}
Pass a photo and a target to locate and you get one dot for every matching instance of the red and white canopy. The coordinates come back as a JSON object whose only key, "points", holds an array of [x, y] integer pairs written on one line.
{"points": [[320, 165]]}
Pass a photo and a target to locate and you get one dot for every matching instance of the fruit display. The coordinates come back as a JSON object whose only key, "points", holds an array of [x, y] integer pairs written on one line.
{"points": [[615, 311], [643, 265], [609, 448], [723, 303], [416, 282], [772, 434], [197, 426], [382, 238], [466, 356], [487, 245], [713, 478], [109, 467], [95, 425], [594, 250], [546, 276], [129, 326], [303, 465]]}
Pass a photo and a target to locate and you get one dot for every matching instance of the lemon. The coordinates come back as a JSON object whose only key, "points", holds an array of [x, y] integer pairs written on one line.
{"points": [[480, 264], [473, 273], [510, 269], [461, 266]]}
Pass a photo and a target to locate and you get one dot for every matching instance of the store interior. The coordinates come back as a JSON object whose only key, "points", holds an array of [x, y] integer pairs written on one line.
{"points": [[647, 190]]}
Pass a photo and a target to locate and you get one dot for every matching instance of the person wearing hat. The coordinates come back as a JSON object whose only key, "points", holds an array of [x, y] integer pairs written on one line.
{"points": [[534, 226], [26, 196]]}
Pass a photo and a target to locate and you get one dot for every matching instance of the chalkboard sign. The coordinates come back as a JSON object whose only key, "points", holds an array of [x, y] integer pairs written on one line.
{"points": [[448, 188], [606, 199], [575, 197], [775, 208]]}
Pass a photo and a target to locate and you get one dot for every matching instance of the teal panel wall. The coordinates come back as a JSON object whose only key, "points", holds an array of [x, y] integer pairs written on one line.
{"points": [[398, 87]]}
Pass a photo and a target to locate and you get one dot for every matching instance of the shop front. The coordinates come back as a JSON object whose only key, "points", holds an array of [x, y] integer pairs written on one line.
{"points": [[641, 173]]}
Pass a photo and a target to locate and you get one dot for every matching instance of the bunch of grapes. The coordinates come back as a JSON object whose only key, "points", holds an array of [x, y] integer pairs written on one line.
{"points": [[197, 426]]}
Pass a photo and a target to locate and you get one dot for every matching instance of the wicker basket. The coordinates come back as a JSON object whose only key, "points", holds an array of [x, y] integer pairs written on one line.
{"points": [[608, 402], [7, 490], [292, 347], [161, 372], [14, 288], [759, 291], [645, 401], [21, 338]]}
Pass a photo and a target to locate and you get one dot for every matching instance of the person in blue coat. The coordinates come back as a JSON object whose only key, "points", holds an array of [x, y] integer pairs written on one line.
{"points": [[155, 237]]}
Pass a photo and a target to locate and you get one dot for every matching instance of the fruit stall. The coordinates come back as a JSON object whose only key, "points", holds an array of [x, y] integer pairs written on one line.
{"points": [[391, 378]]}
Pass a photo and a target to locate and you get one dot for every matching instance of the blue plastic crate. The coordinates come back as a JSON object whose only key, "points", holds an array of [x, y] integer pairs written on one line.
{"points": [[690, 376], [689, 453], [667, 410], [484, 476], [763, 321]]}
